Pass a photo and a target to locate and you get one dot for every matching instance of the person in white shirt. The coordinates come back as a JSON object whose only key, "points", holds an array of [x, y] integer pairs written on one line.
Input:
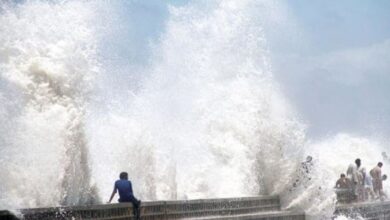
{"points": [[353, 176], [367, 185]]}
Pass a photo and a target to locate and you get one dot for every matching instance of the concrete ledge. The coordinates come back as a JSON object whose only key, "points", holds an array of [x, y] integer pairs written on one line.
{"points": [[158, 210], [263, 207], [367, 210], [279, 215], [229, 206]]}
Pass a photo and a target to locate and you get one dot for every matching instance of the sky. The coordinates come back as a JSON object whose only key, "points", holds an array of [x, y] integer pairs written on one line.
{"points": [[330, 58], [339, 76]]}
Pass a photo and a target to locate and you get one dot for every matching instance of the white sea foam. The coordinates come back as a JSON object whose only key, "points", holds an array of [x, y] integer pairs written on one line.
{"points": [[47, 59], [206, 120], [209, 119], [332, 156]]}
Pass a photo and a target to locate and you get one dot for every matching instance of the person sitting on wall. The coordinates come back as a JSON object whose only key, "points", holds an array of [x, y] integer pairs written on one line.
{"points": [[123, 185], [343, 189], [343, 182]]}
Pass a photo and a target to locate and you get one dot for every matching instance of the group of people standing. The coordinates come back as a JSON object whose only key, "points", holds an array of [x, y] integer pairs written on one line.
{"points": [[359, 185]]}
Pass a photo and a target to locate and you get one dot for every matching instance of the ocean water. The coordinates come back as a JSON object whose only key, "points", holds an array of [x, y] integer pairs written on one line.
{"points": [[203, 118]]}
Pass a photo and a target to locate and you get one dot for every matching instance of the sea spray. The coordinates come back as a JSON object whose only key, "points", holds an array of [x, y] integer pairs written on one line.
{"points": [[48, 58], [208, 120], [314, 192]]}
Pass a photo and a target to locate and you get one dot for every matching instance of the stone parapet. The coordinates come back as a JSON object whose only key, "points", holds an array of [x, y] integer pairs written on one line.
{"points": [[181, 209], [367, 210]]}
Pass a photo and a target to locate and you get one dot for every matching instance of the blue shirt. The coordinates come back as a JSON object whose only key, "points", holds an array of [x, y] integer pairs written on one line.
{"points": [[125, 190]]}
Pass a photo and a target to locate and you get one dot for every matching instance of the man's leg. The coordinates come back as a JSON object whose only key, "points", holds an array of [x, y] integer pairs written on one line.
{"points": [[355, 192], [136, 207], [383, 195]]}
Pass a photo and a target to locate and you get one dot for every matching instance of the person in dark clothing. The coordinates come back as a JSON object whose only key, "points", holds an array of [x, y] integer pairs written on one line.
{"points": [[125, 189]]}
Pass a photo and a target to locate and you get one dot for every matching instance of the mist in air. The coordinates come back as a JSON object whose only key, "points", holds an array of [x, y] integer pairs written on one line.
{"points": [[195, 99]]}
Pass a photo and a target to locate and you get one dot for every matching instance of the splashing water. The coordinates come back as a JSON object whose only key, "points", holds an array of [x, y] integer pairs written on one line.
{"points": [[48, 60], [332, 157], [209, 116], [206, 120]]}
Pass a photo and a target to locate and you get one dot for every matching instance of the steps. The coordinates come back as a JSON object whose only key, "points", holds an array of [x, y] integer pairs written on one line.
{"points": [[249, 208]]}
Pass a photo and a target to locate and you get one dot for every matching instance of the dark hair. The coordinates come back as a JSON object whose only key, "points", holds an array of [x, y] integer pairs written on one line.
{"points": [[357, 161], [123, 176], [380, 164], [342, 175]]}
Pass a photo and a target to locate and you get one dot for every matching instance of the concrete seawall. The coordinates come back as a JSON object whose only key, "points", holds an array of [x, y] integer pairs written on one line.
{"points": [[249, 208], [264, 207], [366, 210]]}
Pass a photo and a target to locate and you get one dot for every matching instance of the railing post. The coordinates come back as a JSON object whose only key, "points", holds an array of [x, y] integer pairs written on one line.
{"points": [[165, 211]]}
